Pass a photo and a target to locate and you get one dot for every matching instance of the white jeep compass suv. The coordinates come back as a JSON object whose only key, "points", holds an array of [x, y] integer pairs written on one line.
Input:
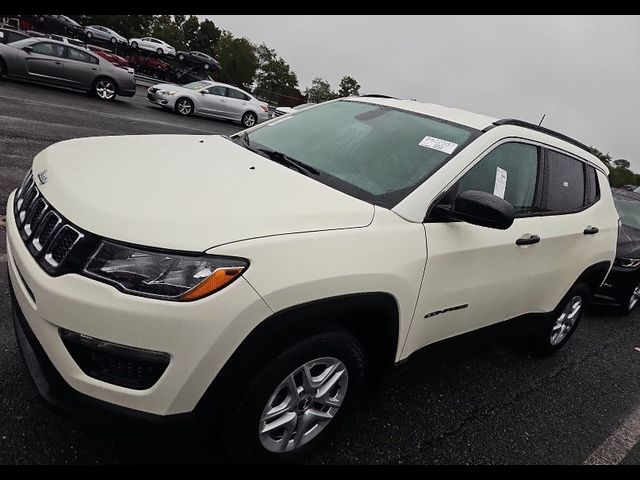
{"points": [[262, 278]]}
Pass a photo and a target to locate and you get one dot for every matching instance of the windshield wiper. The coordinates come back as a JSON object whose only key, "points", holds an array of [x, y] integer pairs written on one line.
{"points": [[288, 161], [279, 157]]}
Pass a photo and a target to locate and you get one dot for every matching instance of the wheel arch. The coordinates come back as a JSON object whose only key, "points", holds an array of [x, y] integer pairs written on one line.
{"points": [[593, 276], [372, 317]]}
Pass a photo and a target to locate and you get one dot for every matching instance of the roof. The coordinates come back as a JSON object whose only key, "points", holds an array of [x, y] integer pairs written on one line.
{"points": [[455, 115]]}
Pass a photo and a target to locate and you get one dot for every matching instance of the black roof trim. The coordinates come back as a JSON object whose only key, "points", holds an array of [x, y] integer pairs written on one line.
{"points": [[378, 95], [538, 128]]}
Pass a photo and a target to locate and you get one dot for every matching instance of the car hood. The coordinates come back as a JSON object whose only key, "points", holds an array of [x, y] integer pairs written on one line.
{"points": [[628, 242], [186, 192]]}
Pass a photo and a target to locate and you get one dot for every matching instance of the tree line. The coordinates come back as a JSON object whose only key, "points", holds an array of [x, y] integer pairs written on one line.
{"points": [[620, 173], [243, 63]]}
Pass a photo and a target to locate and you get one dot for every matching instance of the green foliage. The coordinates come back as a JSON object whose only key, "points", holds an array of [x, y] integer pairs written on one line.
{"points": [[348, 87], [320, 91], [619, 170], [274, 74], [238, 59]]}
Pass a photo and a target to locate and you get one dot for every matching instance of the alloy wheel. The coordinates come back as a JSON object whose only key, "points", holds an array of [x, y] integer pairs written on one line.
{"points": [[635, 296], [249, 120], [566, 320], [105, 89], [184, 106], [303, 404]]}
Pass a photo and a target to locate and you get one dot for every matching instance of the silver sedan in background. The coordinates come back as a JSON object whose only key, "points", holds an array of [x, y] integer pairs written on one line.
{"points": [[57, 63], [103, 33], [211, 99]]}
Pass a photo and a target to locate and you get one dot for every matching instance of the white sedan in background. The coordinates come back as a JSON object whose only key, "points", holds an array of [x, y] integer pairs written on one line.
{"points": [[210, 99], [152, 44]]}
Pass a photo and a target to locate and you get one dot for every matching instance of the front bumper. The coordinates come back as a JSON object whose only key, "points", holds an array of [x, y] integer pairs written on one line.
{"points": [[161, 100], [198, 336]]}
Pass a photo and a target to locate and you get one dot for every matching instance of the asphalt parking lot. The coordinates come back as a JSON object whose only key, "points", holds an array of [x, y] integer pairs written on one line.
{"points": [[480, 398]]}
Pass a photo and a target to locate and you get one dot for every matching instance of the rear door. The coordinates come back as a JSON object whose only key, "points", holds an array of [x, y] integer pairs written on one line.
{"points": [[80, 68], [237, 103], [46, 62]]}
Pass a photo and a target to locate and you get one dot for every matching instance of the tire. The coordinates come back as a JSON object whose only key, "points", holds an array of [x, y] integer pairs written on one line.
{"points": [[336, 354], [181, 57], [184, 107], [105, 89], [89, 35], [554, 331], [206, 66], [629, 298], [249, 119], [134, 45], [159, 51], [113, 41]]}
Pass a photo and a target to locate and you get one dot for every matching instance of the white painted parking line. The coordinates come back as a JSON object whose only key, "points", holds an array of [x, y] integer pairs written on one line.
{"points": [[104, 114], [619, 443]]}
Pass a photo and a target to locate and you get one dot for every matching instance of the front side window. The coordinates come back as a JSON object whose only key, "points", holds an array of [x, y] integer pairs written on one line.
{"points": [[49, 49], [509, 171], [217, 90], [373, 152], [564, 183]]}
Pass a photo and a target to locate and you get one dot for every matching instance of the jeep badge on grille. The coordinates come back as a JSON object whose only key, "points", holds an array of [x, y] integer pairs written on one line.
{"points": [[42, 176]]}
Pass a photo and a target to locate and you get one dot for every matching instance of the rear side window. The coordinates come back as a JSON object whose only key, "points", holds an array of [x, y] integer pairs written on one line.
{"points": [[73, 54], [237, 94], [509, 171], [564, 183], [592, 191]]}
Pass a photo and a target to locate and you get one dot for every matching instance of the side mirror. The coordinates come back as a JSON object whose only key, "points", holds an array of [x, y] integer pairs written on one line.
{"points": [[28, 48], [479, 208], [203, 92]]}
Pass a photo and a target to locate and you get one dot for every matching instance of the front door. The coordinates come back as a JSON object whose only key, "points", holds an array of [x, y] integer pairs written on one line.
{"points": [[213, 101], [476, 276], [45, 62]]}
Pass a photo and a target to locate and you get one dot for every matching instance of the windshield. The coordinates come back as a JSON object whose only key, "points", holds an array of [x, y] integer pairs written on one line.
{"points": [[196, 85], [629, 210], [376, 153]]}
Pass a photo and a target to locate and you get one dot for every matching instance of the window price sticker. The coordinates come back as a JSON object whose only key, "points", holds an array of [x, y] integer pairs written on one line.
{"points": [[438, 144]]}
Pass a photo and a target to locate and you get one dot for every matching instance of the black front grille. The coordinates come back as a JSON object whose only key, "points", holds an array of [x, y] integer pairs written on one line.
{"points": [[113, 363], [54, 242], [153, 90]]}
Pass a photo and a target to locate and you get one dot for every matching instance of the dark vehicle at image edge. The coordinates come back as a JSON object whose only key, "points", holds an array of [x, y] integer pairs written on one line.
{"points": [[622, 286]]}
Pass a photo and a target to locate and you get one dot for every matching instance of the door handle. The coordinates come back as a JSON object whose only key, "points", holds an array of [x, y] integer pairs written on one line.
{"points": [[58, 63], [94, 68], [527, 239], [590, 230]]}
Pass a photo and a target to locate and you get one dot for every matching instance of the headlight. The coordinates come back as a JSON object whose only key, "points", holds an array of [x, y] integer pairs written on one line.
{"points": [[627, 262], [168, 92], [166, 276]]}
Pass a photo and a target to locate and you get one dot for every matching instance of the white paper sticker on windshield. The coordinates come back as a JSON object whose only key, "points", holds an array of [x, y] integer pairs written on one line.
{"points": [[501, 183], [438, 144]]}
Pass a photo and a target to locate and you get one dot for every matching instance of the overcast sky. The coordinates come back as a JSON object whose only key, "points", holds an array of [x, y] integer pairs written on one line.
{"points": [[582, 71]]}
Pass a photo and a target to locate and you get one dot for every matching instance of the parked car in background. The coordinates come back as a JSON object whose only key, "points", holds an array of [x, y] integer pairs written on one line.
{"points": [[153, 45], [279, 111], [630, 188], [103, 33], [258, 281], [70, 41], [61, 64], [211, 99], [109, 56], [34, 33], [151, 66], [8, 35], [198, 58], [59, 24], [622, 285]]}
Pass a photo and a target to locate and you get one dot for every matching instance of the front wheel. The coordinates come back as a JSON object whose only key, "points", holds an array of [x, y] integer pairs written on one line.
{"points": [[206, 66], [249, 119], [159, 51], [296, 402], [134, 45], [184, 106], [105, 89], [113, 41]]}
